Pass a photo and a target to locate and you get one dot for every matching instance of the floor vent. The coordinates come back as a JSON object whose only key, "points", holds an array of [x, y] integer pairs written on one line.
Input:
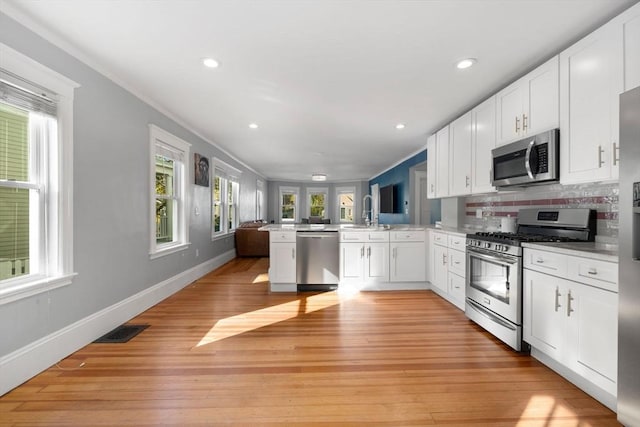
{"points": [[122, 333]]}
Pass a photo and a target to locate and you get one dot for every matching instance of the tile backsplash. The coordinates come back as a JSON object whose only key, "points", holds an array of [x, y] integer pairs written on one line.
{"points": [[602, 197]]}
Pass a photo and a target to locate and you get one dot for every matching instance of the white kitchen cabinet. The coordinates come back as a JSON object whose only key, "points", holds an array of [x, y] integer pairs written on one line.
{"points": [[282, 258], [364, 256], [483, 124], [591, 81], [629, 23], [530, 105], [456, 290], [572, 322], [440, 268], [431, 166], [377, 262], [408, 253], [460, 156], [352, 256], [442, 157], [448, 261]]}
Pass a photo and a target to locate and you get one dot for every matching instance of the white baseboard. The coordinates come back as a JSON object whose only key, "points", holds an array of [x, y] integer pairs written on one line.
{"points": [[28, 361]]}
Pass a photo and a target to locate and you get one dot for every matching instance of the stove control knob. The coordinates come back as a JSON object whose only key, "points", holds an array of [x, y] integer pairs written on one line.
{"points": [[505, 248], [487, 245]]}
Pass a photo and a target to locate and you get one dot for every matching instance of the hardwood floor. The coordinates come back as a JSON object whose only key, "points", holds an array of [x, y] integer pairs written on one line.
{"points": [[226, 351]]}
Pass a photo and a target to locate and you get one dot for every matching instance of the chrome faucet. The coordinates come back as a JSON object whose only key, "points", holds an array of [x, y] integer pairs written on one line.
{"points": [[367, 212]]}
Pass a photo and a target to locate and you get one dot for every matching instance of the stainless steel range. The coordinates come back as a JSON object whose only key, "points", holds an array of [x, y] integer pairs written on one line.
{"points": [[494, 267]]}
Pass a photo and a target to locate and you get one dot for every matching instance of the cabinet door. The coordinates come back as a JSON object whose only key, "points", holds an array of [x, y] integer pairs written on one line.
{"points": [[282, 259], [510, 102], [592, 334], [591, 81], [352, 262], [442, 156], [377, 262], [440, 268], [457, 290], [543, 312], [482, 142], [460, 156], [631, 43], [408, 262], [542, 106], [431, 166]]}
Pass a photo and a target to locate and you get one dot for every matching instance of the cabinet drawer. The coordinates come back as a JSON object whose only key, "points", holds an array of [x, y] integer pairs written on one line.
{"points": [[545, 262], [407, 236], [456, 287], [439, 238], [353, 236], [601, 274], [377, 236], [457, 262], [457, 242], [282, 236]]}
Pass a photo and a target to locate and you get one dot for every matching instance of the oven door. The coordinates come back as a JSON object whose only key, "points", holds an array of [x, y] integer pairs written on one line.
{"points": [[494, 281]]}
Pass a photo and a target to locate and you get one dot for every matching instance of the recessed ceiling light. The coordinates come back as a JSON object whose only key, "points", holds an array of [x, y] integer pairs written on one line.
{"points": [[400, 126], [253, 125], [318, 177], [466, 63], [211, 63]]}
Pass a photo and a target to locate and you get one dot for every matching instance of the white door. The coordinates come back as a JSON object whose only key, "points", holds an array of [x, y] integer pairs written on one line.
{"points": [[282, 260], [440, 268], [442, 155], [421, 212], [377, 261], [432, 159], [484, 140], [631, 43], [408, 262], [510, 102], [352, 261], [460, 156], [541, 112]]}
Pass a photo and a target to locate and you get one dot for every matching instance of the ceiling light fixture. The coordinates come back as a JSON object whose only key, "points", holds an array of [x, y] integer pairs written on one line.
{"points": [[400, 126], [210, 63], [466, 63], [318, 177], [253, 125]]}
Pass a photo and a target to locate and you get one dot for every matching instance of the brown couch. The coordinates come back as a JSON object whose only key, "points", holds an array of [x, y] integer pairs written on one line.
{"points": [[250, 242]]}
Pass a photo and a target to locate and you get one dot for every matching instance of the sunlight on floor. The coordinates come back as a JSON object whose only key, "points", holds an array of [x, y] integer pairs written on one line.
{"points": [[245, 322], [546, 408], [261, 278]]}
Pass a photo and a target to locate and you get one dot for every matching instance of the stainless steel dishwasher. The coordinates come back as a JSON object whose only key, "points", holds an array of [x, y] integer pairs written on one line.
{"points": [[317, 260]]}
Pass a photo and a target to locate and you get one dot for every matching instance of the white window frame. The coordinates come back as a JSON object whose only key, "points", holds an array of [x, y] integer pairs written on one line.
{"points": [[227, 174], [296, 207], [318, 190], [345, 190], [159, 139], [260, 200], [56, 201]]}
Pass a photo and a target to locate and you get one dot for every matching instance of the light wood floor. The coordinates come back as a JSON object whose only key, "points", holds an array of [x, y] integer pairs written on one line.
{"points": [[225, 351]]}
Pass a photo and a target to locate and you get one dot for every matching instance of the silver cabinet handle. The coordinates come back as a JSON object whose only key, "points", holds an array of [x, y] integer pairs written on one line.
{"points": [[456, 262], [432, 188], [569, 299], [600, 151], [369, 252], [524, 122], [517, 124], [539, 261], [362, 252], [466, 181], [558, 295], [616, 154], [444, 259], [592, 271], [293, 253]]}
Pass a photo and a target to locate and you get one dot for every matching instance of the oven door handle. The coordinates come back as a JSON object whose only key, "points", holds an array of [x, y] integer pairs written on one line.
{"points": [[482, 311], [527, 158], [491, 257]]}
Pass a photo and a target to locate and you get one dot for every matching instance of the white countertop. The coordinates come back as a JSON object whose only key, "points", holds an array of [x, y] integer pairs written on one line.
{"points": [[341, 227], [593, 250]]}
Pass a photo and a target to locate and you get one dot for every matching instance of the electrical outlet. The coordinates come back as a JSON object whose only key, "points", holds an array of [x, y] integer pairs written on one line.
{"points": [[478, 213]]}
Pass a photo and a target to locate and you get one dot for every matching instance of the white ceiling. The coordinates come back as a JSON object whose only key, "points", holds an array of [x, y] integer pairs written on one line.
{"points": [[326, 81]]}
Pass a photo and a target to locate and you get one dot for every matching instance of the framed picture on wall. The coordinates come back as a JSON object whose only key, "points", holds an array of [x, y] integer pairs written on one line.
{"points": [[201, 168]]}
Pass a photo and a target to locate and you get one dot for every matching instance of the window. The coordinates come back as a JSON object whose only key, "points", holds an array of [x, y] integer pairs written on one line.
{"points": [[226, 193], [317, 202], [168, 173], [36, 177], [289, 204], [346, 204], [260, 212]]}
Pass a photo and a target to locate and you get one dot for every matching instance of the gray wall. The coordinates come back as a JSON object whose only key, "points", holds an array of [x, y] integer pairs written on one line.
{"points": [[362, 188], [111, 197]]}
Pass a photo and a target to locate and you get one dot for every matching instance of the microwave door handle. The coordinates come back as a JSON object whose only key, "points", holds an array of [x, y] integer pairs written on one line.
{"points": [[527, 158]]}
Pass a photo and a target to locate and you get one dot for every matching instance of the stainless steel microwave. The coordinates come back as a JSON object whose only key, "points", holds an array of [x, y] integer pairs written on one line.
{"points": [[532, 160]]}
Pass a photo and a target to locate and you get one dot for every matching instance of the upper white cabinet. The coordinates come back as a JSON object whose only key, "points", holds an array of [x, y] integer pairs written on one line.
{"points": [[630, 24], [460, 156], [442, 160], [483, 122], [530, 105], [591, 81], [431, 166]]}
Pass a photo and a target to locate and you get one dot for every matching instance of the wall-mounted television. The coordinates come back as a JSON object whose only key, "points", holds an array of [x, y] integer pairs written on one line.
{"points": [[388, 199]]}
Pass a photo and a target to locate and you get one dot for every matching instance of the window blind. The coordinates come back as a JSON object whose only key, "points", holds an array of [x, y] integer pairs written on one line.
{"points": [[26, 95]]}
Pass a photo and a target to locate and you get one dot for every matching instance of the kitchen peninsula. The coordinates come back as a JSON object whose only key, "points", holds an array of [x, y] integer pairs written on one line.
{"points": [[370, 257]]}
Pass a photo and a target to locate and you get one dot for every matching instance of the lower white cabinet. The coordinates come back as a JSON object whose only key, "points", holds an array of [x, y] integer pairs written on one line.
{"points": [[364, 257], [448, 262], [440, 267], [573, 323], [282, 258], [408, 254]]}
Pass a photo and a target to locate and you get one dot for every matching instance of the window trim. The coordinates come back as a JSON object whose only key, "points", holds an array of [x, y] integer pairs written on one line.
{"points": [[296, 207], [346, 190], [318, 190], [228, 174], [157, 134], [60, 177], [260, 201]]}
